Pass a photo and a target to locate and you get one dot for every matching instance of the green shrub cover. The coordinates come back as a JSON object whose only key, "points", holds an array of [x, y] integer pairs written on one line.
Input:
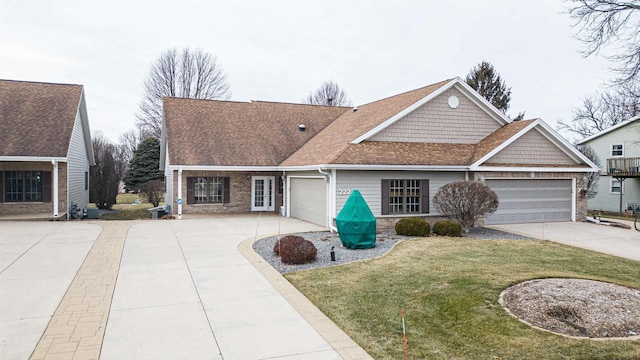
{"points": [[356, 223], [412, 226], [447, 228]]}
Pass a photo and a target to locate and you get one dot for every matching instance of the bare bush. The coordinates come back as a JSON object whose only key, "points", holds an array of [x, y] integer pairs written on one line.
{"points": [[153, 190], [465, 202]]}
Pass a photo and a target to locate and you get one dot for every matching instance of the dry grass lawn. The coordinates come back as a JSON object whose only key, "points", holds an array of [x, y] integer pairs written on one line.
{"points": [[449, 289]]}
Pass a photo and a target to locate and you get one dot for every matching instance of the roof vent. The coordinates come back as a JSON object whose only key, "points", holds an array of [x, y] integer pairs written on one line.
{"points": [[301, 127], [355, 109]]}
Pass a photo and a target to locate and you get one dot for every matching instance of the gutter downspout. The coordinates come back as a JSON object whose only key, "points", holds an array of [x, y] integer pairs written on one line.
{"points": [[329, 219]]}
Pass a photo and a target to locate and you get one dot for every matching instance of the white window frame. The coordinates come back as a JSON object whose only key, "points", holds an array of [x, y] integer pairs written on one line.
{"points": [[621, 150], [611, 186]]}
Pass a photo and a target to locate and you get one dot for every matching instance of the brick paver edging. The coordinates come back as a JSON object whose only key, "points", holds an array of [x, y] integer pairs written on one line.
{"points": [[338, 339], [77, 328]]}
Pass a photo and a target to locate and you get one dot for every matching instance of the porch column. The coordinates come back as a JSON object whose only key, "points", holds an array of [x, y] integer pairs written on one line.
{"points": [[54, 188], [180, 200]]}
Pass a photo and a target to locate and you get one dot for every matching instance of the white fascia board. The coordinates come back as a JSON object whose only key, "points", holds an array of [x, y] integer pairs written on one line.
{"points": [[33, 158], [532, 169], [404, 112], [615, 127], [223, 168], [86, 130]]}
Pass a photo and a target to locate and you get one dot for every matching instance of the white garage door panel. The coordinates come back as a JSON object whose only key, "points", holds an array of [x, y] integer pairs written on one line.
{"points": [[309, 200], [523, 201]]}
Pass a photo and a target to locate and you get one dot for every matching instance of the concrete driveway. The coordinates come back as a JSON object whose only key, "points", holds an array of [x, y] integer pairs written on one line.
{"points": [[606, 239], [156, 290]]}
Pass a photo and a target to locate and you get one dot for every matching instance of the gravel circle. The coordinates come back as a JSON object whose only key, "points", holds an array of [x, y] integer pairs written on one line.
{"points": [[324, 241], [576, 307]]}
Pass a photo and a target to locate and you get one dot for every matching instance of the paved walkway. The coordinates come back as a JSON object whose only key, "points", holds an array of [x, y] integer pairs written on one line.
{"points": [[606, 239], [173, 290]]}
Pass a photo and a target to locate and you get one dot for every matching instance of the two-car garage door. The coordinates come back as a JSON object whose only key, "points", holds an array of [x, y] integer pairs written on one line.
{"points": [[308, 198], [531, 200]]}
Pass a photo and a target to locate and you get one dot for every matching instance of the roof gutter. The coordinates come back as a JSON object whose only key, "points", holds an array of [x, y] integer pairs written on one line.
{"points": [[33, 158]]}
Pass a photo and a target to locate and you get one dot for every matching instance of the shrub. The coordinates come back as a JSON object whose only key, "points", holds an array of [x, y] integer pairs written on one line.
{"points": [[447, 228], [295, 249], [412, 226], [465, 201]]}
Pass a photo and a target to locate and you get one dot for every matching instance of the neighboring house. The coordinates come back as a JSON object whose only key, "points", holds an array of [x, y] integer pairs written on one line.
{"points": [[45, 148], [619, 151], [225, 157]]}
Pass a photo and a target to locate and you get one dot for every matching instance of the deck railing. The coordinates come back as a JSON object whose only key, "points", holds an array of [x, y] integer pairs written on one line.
{"points": [[624, 167]]}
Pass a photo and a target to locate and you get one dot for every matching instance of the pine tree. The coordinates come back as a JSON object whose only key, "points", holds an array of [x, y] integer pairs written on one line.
{"points": [[145, 165], [487, 82]]}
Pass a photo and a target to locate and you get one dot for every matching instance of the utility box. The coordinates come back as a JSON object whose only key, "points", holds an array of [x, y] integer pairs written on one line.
{"points": [[93, 213], [157, 212]]}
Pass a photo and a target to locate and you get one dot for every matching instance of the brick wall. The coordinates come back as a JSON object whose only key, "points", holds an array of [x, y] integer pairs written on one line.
{"points": [[240, 193], [36, 207]]}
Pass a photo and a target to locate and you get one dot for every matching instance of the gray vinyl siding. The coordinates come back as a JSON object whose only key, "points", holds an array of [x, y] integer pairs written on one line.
{"points": [[436, 122], [78, 165], [532, 148], [605, 200], [370, 186]]}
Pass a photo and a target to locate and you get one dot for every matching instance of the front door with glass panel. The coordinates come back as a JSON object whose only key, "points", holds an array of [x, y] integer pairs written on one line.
{"points": [[263, 193]]}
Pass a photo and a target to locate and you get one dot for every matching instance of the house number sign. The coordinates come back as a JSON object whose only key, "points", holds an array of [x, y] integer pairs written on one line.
{"points": [[344, 192]]}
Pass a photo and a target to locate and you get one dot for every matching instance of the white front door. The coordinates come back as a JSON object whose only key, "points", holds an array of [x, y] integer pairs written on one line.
{"points": [[263, 193]]}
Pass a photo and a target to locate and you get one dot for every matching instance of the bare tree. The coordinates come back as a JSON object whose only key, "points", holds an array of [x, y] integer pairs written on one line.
{"points": [[193, 74], [610, 24], [154, 191], [465, 201], [601, 111], [106, 173], [330, 94], [592, 178]]}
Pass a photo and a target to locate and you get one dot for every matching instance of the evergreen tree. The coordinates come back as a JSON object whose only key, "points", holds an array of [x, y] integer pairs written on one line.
{"points": [[487, 82], [145, 165]]}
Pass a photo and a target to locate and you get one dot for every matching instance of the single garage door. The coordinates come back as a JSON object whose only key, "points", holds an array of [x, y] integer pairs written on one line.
{"points": [[529, 200], [308, 200]]}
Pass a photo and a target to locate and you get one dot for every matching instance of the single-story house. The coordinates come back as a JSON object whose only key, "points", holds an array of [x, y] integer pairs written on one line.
{"points": [[304, 160], [45, 148], [618, 149]]}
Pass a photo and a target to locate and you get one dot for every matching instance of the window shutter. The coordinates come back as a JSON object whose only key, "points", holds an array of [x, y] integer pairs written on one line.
{"points": [[424, 194], [226, 190], [46, 186], [190, 191], [385, 197], [1, 186]]}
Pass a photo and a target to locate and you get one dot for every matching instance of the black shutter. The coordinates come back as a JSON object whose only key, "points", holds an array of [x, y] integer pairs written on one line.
{"points": [[46, 186], [385, 197], [226, 190], [424, 193], [191, 198], [1, 186]]}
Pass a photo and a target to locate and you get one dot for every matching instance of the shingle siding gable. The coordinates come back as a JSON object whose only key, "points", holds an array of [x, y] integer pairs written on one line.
{"points": [[437, 122], [532, 148]]}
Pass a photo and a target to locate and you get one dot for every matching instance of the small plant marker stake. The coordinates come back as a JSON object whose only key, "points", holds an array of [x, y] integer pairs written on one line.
{"points": [[404, 337], [279, 246]]}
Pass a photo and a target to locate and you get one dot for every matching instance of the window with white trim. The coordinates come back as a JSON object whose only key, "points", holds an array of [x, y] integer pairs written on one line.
{"points": [[616, 187], [208, 190], [617, 150]]}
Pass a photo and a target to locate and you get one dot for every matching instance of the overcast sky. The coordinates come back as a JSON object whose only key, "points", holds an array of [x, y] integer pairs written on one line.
{"points": [[281, 50]]}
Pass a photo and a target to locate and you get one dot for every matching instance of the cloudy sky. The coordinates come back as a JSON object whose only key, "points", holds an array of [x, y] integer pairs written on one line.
{"points": [[281, 50]]}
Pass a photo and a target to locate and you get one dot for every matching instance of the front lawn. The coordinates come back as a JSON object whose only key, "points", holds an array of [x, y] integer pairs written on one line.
{"points": [[449, 289]]}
